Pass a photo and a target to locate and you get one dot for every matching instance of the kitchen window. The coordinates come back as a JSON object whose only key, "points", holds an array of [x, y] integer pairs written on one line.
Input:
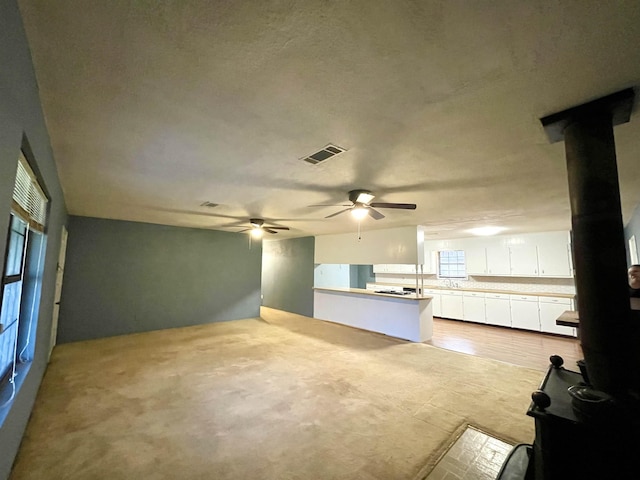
{"points": [[451, 264]]}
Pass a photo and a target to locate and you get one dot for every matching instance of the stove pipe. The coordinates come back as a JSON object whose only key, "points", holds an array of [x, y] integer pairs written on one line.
{"points": [[605, 330]]}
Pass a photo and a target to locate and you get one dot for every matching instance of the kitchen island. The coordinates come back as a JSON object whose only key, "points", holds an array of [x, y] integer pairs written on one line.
{"points": [[406, 316]]}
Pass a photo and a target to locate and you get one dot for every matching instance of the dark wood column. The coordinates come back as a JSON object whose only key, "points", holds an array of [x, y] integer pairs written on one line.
{"points": [[598, 236]]}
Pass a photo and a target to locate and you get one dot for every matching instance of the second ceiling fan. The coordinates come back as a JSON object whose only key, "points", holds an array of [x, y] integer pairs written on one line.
{"points": [[361, 205], [257, 225]]}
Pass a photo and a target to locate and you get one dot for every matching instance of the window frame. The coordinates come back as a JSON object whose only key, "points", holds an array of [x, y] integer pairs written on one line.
{"points": [[30, 205], [447, 276]]}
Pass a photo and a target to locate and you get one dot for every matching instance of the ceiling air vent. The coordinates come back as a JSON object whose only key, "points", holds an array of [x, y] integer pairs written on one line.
{"points": [[324, 154], [209, 204]]}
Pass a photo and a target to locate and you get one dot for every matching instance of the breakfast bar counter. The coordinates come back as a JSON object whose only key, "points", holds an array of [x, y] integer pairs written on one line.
{"points": [[406, 316], [570, 318]]}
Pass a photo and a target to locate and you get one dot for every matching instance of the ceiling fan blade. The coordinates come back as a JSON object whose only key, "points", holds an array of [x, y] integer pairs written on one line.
{"points": [[245, 230], [332, 205], [338, 213], [404, 206], [376, 215], [267, 229], [277, 228]]}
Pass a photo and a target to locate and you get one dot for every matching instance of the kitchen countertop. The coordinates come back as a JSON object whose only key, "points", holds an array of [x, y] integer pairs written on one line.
{"points": [[510, 292], [362, 291]]}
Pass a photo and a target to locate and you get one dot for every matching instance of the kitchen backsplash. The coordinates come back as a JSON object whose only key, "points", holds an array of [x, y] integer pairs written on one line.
{"points": [[517, 284]]}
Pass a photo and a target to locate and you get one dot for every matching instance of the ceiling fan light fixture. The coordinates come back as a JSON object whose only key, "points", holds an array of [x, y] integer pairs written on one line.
{"points": [[257, 232], [359, 212], [364, 197]]}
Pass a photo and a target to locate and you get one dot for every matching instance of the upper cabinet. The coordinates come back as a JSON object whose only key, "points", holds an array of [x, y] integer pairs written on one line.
{"points": [[476, 259], [546, 254], [524, 260], [395, 268], [527, 255], [554, 255], [498, 262]]}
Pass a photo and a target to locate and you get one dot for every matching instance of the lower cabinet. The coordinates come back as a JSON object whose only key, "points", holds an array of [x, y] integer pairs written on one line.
{"points": [[473, 309], [451, 304], [436, 303], [550, 309], [498, 309], [524, 312]]}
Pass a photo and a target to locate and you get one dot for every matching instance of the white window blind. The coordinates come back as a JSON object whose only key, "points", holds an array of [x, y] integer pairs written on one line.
{"points": [[30, 201], [452, 264]]}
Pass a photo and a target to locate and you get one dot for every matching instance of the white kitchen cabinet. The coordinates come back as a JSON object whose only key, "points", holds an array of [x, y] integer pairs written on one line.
{"points": [[524, 312], [473, 308], [498, 262], [430, 261], [380, 268], [476, 260], [404, 268], [498, 309], [550, 309], [451, 304], [554, 256], [436, 302], [395, 268], [524, 260], [545, 254]]}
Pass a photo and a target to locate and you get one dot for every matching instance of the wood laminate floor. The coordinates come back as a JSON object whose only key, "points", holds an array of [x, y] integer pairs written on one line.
{"points": [[518, 347]]}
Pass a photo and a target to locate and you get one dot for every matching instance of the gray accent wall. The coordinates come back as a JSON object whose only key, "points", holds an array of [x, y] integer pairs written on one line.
{"points": [[22, 124], [128, 277], [287, 275], [361, 275]]}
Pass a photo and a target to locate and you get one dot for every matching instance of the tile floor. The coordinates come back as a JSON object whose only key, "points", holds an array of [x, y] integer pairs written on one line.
{"points": [[474, 456]]}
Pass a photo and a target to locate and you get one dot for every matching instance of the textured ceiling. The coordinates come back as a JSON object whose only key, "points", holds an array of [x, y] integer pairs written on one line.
{"points": [[154, 107]]}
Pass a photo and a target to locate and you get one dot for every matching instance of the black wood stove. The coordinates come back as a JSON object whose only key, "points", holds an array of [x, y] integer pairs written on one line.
{"points": [[587, 421]]}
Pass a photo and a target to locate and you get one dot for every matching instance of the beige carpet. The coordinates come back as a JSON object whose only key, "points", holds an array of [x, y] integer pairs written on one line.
{"points": [[282, 397]]}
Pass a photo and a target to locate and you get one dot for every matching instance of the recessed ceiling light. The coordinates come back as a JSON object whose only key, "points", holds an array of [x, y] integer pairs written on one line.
{"points": [[485, 231]]}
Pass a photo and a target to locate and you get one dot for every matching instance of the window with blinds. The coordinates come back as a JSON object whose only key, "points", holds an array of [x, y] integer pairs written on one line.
{"points": [[29, 201], [451, 264], [19, 285]]}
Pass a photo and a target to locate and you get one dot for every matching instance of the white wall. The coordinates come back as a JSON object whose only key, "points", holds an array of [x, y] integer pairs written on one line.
{"points": [[393, 245]]}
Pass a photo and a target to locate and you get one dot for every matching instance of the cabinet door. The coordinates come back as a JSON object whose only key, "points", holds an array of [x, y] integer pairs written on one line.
{"points": [[498, 260], [554, 258], [400, 268], [429, 266], [451, 304], [476, 260], [380, 268], [550, 309], [436, 303], [525, 313], [498, 311], [524, 260], [473, 308]]}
